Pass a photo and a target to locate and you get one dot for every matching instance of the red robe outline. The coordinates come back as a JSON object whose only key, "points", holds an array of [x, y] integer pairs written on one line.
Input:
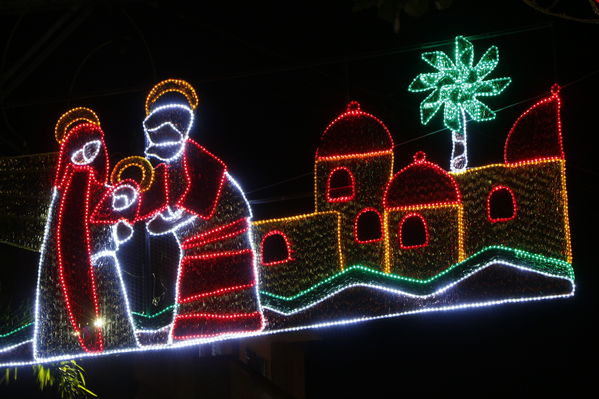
{"points": [[77, 186], [210, 281], [77, 294]]}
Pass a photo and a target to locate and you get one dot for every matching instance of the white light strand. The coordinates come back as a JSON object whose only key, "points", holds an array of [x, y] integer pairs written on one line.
{"points": [[250, 237], [39, 270], [181, 142], [115, 232], [123, 197], [86, 154], [408, 294], [174, 220], [459, 137], [183, 344], [11, 347], [148, 331]]}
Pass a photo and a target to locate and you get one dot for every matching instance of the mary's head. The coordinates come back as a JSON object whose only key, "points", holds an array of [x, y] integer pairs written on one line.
{"points": [[82, 145]]}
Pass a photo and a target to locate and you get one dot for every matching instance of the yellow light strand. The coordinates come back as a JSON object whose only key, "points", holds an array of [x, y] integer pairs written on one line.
{"points": [[566, 216], [147, 171], [509, 165], [461, 234], [172, 85], [387, 237], [355, 156], [387, 260], [424, 206], [564, 192], [293, 218], [71, 117], [346, 157], [307, 216], [339, 242]]}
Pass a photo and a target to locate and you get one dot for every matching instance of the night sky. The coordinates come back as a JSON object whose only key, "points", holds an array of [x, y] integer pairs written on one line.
{"points": [[270, 77]]}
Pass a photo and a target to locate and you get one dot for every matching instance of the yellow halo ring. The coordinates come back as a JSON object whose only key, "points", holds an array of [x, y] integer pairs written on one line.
{"points": [[172, 85], [71, 117], [147, 171]]}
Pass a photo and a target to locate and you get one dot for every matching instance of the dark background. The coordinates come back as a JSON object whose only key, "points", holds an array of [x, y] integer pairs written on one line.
{"points": [[270, 77]]}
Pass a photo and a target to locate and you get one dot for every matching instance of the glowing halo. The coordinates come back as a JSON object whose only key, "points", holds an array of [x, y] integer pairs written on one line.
{"points": [[172, 85], [72, 116], [147, 171]]}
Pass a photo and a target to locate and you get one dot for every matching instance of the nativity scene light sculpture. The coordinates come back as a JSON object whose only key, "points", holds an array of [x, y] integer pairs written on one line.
{"points": [[378, 244], [189, 194]]}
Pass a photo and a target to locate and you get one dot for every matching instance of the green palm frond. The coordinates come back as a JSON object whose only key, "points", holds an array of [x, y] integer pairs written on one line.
{"points": [[457, 84]]}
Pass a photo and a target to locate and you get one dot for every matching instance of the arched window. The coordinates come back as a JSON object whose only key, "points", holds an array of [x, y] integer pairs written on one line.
{"points": [[367, 226], [275, 248], [501, 204], [341, 185], [413, 231]]}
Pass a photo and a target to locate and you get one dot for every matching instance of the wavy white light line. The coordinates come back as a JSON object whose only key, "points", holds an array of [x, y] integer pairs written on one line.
{"points": [[408, 294], [187, 343]]}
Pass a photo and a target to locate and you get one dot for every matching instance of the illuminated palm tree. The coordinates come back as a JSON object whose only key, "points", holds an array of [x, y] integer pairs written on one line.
{"points": [[456, 85]]}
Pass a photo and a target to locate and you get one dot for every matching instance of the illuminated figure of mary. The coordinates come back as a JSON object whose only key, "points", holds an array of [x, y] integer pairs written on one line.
{"points": [[81, 306]]}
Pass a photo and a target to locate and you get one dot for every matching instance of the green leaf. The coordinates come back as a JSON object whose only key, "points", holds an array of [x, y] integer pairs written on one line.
{"points": [[464, 53], [425, 81], [457, 84], [439, 60], [429, 107], [87, 390], [451, 92], [487, 62], [491, 87], [478, 111], [452, 117]]}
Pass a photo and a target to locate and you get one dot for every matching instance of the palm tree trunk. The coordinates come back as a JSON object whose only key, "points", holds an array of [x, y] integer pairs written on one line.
{"points": [[459, 155]]}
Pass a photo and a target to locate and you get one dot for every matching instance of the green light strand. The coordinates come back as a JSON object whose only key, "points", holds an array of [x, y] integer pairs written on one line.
{"points": [[16, 330], [519, 252], [457, 84], [155, 314], [545, 259]]}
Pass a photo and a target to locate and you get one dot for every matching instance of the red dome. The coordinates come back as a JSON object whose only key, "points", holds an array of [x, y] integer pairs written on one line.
{"points": [[354, 132], [421, 183], [537, 133]]}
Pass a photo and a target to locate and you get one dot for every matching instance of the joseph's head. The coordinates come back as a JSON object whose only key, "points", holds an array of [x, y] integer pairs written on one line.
{"points": [[166, 130], [170, 108]]}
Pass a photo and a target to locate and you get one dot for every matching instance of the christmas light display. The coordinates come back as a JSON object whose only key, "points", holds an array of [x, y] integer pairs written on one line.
{"points": [[379, 244], [495, 191], [456, 86], [346, 191], [201, 199], [284, 259], [145, 167], [403, 243]]}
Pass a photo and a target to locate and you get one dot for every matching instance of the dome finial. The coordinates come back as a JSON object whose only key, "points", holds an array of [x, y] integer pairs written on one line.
{"points": [[555, 88], [419, 157], [353, 106]]}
